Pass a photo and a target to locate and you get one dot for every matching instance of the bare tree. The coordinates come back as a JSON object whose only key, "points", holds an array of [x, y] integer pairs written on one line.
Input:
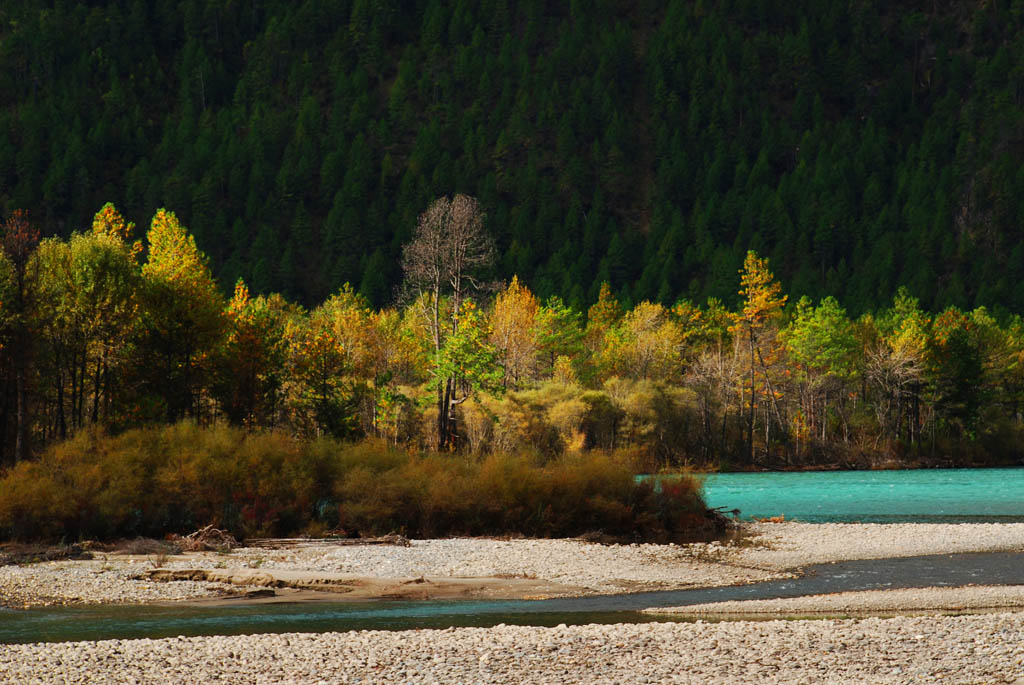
{"points": [[448, 247], [898, 374]]}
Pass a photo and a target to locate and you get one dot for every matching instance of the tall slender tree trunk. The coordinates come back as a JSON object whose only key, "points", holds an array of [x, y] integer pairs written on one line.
{"points": [[96, 388], [445, 415], [83, 371], [750, 419], [453, 420], [62, 423], [21, 439]]}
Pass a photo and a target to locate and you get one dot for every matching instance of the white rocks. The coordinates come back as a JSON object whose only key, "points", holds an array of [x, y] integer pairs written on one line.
{"points": [[789, 545], [929, 599], [770, 551], [987, 648], [598, 568], [92, 581]]}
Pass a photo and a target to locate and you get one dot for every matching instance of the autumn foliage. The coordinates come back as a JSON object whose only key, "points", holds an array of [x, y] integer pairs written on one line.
{"points": [[104, 335], [176, 478]]}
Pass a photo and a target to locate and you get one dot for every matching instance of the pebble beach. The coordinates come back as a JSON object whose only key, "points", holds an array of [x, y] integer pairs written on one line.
{"points": [[984, 646], [954, 649]]}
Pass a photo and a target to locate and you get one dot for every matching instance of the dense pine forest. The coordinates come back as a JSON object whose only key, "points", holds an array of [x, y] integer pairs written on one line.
{"points": [[726, 235], [860, 146]]}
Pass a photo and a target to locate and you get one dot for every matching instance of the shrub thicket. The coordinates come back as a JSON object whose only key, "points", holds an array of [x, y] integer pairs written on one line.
{"points": [[173, 479]]}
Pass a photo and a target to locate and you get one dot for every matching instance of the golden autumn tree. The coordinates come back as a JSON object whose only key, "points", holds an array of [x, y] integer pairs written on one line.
{"points": [[763, 301], [251, 365], [896, 367], [351, 320], [513, 332], [398, 358], [601, 317], [645, 344], [86, 293], [183, 318], [109, 223], [329, 358]]}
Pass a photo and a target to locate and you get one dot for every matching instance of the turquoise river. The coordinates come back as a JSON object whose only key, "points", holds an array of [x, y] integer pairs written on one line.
{"points": [[920, 495]]}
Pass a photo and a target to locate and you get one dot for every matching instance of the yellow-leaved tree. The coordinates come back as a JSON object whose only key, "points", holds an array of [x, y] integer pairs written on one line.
{"points": [[763, 301], [85, 310], [183, 318], [513, 333], [251, 365]]}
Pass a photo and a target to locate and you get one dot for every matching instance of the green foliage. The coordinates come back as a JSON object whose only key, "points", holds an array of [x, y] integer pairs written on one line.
{"points": [[820, 339], [859, 146], [558, 332], [468, 356]]}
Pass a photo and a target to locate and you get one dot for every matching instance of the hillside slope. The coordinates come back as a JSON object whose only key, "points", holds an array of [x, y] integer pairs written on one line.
{"points": [[861, 145]]}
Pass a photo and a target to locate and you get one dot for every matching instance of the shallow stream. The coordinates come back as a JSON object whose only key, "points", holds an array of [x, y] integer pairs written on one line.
{"points": [[58, 624]]}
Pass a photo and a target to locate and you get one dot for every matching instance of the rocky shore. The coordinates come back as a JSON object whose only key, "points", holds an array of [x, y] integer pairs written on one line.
{"points": [[554, 567], [978, 648], [949, 649], [969, 599]]}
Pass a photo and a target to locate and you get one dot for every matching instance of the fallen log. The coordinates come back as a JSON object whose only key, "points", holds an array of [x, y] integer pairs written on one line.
{"points": [[277, 543]]}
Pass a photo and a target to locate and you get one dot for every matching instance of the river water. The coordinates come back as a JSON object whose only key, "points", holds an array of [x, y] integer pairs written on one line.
{"points": [[57, 624], [919, 495], [907, 496]]}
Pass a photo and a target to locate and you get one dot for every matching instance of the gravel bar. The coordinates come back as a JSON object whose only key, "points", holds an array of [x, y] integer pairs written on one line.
{"points": [[987, 648], [791, 545], [767, 551], [929, 599]]}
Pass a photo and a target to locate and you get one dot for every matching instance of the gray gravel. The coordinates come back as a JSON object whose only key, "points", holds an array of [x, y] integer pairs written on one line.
{"points": [[107, 581], [769, 551], [956, 649], [970, 598], [789, 545]]}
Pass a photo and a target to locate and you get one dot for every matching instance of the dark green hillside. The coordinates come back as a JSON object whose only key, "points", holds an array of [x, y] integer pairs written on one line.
{"points": [[860, 145]]}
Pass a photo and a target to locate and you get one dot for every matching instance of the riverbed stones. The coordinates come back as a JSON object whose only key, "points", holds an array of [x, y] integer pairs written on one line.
{"points": [[936, 649], [972, 598], [766, 551]]}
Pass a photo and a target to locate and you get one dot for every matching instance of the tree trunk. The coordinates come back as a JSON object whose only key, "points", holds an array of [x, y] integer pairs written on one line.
{"points": [[21, 441], [442, 415], [96, 389], [750, 420], [453, 421], [62, 423]]}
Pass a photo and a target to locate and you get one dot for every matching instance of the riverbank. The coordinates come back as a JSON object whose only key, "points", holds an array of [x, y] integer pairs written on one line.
{"points": [[489, 568], [904, 601], [940, 649]]}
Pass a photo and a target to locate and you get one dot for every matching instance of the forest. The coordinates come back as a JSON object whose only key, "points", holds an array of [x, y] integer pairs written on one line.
{"points": [[105, 332], [860, 146]]}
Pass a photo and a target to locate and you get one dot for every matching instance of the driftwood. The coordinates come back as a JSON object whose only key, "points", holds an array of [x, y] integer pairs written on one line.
{"points": [[206, 539], [34, 554], [781, 518], [397, 540]]}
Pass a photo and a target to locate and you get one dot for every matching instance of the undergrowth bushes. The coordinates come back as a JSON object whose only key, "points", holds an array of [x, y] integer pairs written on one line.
{"points": [[177, 478]]}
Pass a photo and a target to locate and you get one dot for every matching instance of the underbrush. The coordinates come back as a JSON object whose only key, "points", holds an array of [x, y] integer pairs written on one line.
{"points": [[157, 481]]}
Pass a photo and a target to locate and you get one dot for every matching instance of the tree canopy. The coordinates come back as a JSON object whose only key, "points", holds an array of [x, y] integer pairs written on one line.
{"points": [[859, 146]]}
